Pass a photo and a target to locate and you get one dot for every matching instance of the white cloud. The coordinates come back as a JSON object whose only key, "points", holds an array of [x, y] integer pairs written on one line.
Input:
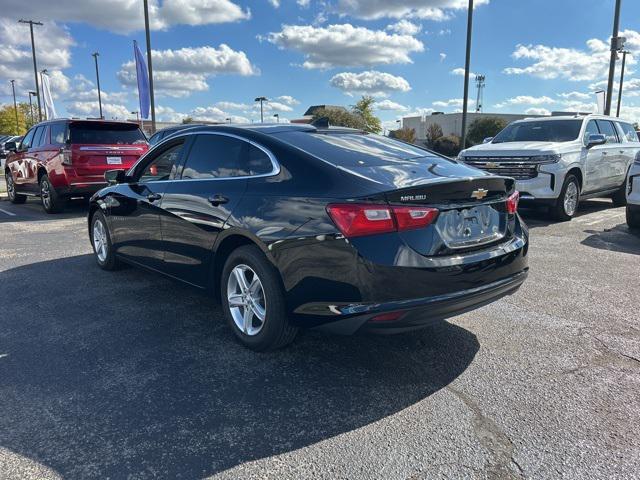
{"points": [[405, 27], [225, 105], [92, 109], [178, 73], [378, 84], [428, 9], [275, 3], [537, 111], [443, 57], [570, 63], [288, 100], [452, 102], [345, 45], [575, 95], [215, 114], [525, 100], [125, 16], [460, 72], [390, 105]]}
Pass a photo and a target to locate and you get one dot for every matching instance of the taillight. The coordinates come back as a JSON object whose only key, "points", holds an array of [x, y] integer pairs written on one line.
{"points": [[512, 202], [356, 220], [66, 156]]}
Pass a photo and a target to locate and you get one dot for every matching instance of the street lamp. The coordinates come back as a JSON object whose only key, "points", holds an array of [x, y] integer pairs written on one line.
{"points": [[261, 99], [615, 48], [35, 64], [467, 63], [399, 122], [141, 123], [277, 117], [228, 120], [624, 61], [32, 94], [95, 57], [151, 95], [15, 106]]}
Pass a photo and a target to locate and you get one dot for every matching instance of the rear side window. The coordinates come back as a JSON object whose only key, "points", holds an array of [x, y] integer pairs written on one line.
{"points": [[58, 133], [630, 134], [105, 133], [221, 156], [606, 128], [355, 149]]}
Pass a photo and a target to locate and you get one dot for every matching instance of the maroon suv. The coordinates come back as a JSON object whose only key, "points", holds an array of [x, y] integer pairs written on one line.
{"points": [[62, 159]]}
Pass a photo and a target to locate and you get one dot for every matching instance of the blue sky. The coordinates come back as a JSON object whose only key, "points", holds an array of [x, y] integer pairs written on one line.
{"points": [[215, 56]]}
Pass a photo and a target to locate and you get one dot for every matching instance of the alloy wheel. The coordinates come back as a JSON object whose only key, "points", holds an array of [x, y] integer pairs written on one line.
{"points": [[11, 189], [246, 299], [100, 243], [45, 194], [571, 199]]}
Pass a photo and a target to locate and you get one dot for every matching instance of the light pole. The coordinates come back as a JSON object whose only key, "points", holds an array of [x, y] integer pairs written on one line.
{"points": [[624, 61], [95, 57], [261, 99], [277, 117], [467, 63], [228, 120], [399, 122], [31, 94], [615, 48], [137, 114], [35, 63], [151, 96], [15, 106]]}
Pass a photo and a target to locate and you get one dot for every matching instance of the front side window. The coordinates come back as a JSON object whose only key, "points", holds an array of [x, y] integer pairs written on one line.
{"points": [[591, 129], [58, 133], [37, 137], [162, 166], [540, 131], [26, 141], [630, 134], [221, 156], [607, 129]]}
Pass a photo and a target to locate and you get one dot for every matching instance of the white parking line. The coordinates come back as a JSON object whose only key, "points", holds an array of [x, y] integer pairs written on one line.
{"points": [[11, 214]]}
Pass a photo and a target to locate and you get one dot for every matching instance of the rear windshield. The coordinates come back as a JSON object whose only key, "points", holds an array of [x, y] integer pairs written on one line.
{"points": [[542, 131], [105, 133], [352, 149]]}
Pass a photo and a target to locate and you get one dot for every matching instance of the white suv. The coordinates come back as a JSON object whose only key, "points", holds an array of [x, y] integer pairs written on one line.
{"points": [[560, 160], [633, 195]]}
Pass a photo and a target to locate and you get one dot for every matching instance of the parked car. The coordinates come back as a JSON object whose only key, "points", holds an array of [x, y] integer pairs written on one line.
{"points": [[633, 195], [558, 161], [165, 132], [3, 150], [61, 159], [298, 227]]}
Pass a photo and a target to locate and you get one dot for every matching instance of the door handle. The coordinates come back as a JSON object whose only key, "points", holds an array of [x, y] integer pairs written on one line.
{"points": [[154, 197], [216, 200]]}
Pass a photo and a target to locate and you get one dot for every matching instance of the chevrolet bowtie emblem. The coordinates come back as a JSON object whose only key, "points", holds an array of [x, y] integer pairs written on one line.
{"points": [[479, 194]]}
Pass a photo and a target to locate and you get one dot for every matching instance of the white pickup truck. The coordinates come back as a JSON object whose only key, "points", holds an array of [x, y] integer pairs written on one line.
{"points": [[558, 161]]}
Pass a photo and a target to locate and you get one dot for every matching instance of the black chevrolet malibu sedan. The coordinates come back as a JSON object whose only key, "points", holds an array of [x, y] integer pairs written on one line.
{"points": [[296, 227]]}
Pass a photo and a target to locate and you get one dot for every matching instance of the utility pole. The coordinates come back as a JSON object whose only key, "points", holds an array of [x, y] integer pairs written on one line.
{"points": [[35, 63], [15, 106], [624, 61], [151, 95], [615, 48], [95, 57], [261, 99], [467, 63]]}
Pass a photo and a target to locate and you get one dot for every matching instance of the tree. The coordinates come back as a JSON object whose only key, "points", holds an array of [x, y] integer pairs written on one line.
{"points": [[187, 120], [434, 132], [364, 108], [405, 134], [447, 145], [8, 119], [483, 128], [340, 118]]}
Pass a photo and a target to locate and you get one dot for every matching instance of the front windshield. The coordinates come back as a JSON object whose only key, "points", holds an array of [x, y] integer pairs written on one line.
{"points": [[540, 131]]}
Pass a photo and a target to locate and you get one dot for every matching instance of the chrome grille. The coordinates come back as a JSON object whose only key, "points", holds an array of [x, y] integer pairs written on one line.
{"points": [[520, 168]]}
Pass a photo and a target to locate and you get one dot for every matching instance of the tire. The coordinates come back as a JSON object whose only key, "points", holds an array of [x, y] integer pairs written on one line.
{"points": [[101, 243], [633, 216], [14, 197], [51, 201], [273, 330], [620, 197], [565, 209]]}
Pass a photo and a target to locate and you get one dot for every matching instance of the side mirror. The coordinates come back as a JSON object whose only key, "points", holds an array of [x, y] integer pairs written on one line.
{"points": [[11, 147], [596, 139], [487, 140], [113, 177]]}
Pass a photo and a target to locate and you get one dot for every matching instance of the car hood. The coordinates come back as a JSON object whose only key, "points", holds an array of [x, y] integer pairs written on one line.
{"points": [[518, 149]]}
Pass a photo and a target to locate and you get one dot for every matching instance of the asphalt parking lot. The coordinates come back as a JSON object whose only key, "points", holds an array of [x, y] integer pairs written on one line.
{"points": [[128, 375]]}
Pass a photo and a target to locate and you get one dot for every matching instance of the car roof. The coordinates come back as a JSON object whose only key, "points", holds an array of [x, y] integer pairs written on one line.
{"points": [[271, 128], [593, 116], [85, 120]]}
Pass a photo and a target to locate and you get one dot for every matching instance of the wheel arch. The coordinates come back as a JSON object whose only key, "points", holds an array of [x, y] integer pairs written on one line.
{"points": [[577, 171]]}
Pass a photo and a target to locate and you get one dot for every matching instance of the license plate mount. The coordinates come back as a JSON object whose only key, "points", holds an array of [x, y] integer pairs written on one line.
{"points": [[470, 227], [114, 160]]}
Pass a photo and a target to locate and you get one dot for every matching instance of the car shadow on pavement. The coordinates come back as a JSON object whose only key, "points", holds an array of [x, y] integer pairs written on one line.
{"points": [[125, 374], [32, 211], [617, 239], [540, 217]]}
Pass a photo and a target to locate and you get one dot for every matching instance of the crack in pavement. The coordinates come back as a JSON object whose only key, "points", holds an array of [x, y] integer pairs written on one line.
{"points": [[493, 439]]}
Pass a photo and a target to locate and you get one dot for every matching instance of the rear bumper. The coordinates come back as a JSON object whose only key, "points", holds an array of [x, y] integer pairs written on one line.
{"points": [[421, 312], [81, 189]]}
